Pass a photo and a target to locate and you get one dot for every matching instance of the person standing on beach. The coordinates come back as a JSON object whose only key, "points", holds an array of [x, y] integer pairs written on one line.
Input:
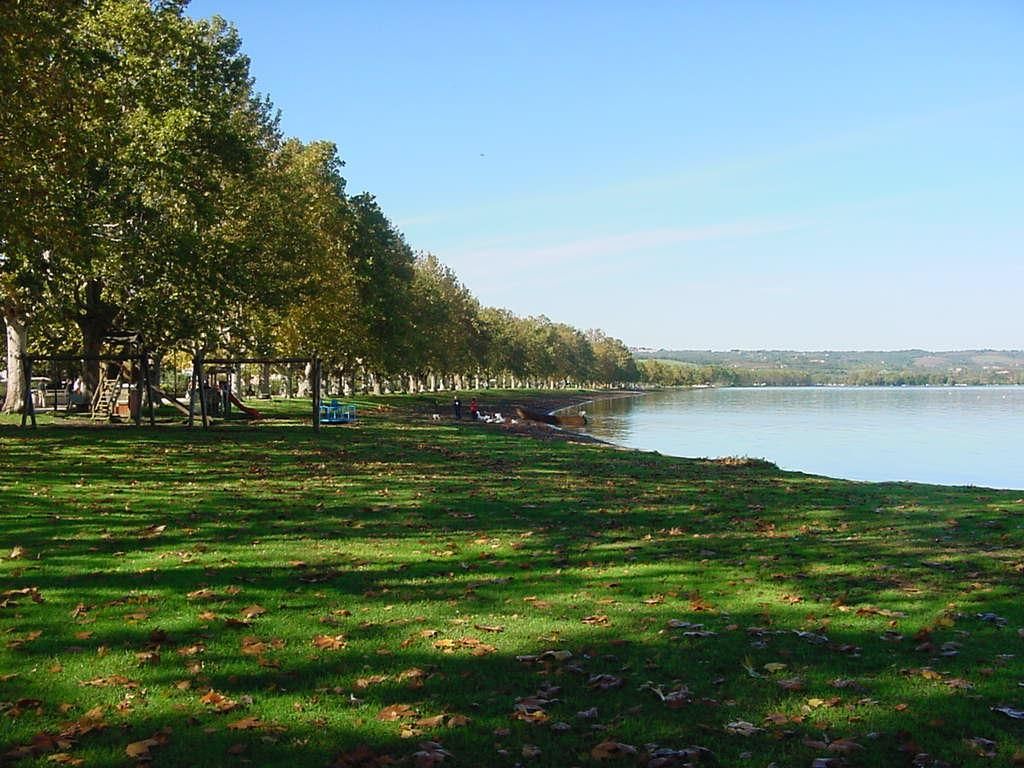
{"points": [[457, 407]]}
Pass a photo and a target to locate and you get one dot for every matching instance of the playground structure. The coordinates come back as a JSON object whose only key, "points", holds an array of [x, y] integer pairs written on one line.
{"points": [[125, 387]]}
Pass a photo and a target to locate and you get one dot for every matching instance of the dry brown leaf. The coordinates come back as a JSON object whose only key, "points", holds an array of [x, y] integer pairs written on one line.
{"points": [[605, 682], [329, 643], [607, 750], [246, 724], [844, 746], [111, 680], [365, 682], [65, 758], [429, 754], [489, 627], [218, 701], [742, 728], [396, 712], [141, 748], [531, 751], [430, 722], [253, 611]]}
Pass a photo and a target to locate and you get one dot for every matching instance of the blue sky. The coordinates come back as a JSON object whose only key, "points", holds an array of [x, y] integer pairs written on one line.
{"points": [[712, 175]]}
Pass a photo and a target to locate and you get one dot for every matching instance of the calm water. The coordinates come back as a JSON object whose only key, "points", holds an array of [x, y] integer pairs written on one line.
{"points": [[951, 436]]}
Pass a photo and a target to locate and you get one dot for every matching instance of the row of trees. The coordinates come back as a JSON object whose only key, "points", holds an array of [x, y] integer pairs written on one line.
{"points": [[668, 373], [144, 184]]}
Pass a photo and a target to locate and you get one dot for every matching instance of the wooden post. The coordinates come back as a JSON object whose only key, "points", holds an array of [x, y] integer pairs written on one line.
{"points": [[29, 409], [316, 394], [144, 360], [137, 380], [201, 388], [193, 386]]}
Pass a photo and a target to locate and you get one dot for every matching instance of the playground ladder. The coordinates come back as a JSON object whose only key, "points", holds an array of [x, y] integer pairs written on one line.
{"points": [[106, 398]]}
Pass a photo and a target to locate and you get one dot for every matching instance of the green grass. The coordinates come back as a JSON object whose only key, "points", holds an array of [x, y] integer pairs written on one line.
{"points": [[432, 555]]}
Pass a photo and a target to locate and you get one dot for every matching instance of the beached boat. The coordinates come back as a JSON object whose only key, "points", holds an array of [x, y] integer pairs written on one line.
{"points": [[557, 420]]}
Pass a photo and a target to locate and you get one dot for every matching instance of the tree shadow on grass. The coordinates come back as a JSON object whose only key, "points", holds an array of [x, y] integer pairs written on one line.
{"points": [[563, 547]]}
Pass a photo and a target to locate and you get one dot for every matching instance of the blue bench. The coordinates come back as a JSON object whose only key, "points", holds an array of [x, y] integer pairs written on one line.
{"points": [[337, 413]]}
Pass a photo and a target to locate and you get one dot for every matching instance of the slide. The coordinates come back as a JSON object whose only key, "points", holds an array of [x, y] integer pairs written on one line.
{"points": [[252, 413], [168, 399]]}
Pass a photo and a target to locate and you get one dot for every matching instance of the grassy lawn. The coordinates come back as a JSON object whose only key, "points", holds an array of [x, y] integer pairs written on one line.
{"points": [[436, 593]]}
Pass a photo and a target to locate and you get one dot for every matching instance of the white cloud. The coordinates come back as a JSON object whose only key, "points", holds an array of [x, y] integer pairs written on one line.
{"points": [[623, 244]]}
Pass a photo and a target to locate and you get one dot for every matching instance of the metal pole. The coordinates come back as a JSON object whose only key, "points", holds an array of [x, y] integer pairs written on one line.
{"points": [[316, 394]]}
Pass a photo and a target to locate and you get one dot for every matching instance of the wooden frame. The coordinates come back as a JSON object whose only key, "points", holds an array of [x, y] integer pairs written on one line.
{"points": [[198, 380]]}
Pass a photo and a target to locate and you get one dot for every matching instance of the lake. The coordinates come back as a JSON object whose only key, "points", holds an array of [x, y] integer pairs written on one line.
{"points": [[949, 436]]}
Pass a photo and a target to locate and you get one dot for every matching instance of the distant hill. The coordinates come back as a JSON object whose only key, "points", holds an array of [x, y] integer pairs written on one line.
{"points": [[908, 366]]}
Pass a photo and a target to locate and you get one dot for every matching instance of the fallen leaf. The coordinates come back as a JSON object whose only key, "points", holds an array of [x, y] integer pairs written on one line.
{"points": [[218, 701], [329, 643], [531, 751], [429, 754], [607, 750], [742, 728], [141, 748], [605, 682], [1016, 714], [112, 680], [363, 683], [984, 747], [843, 746], [253, 611], [396, 712]]}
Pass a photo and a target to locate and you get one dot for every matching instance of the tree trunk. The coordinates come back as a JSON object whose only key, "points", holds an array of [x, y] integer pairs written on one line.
{"points": [[94, 322], [375, 384], [265, 381], [154, 380], [154, 370], [305, 384], [17, 344]]}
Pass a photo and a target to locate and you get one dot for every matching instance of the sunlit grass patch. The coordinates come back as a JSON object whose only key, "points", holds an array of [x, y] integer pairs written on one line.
{"points": [[281, 597]]}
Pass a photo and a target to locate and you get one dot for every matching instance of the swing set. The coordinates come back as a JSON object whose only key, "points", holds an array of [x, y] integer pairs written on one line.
{"points": [[126, 381]]}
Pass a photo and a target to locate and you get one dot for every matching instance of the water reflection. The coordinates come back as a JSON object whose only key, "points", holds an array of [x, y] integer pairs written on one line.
{"points": [[956, 436]]}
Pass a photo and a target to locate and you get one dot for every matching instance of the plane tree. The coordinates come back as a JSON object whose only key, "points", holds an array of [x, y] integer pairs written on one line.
{"points": [[45, 86], [163, 126]]}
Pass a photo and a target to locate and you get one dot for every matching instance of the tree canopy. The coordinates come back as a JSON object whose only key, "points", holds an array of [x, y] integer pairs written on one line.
{"points": [[144, 184]]}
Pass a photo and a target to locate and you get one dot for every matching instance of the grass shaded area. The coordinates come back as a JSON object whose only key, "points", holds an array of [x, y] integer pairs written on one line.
{"points": [[269, 596]]}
